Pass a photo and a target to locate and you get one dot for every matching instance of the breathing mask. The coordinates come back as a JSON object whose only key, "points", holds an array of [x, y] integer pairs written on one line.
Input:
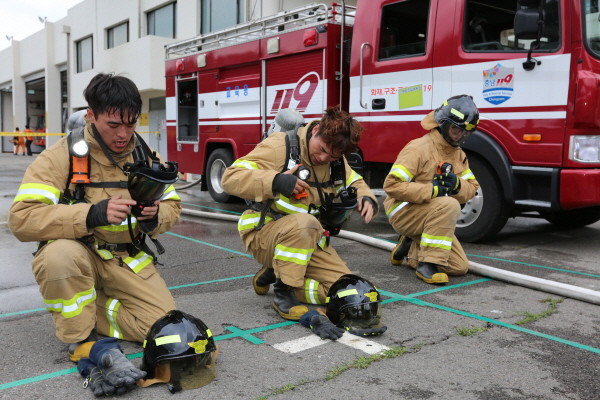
{"points": [[337, 208]]}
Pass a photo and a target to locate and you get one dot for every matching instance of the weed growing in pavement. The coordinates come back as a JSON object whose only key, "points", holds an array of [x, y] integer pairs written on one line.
{"points": [[530, 317], [470, 330], [364, 362]]}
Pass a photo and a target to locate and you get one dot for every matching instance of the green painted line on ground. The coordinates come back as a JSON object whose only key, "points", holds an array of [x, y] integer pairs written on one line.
{"points": [[211, 208], [209, 244]]}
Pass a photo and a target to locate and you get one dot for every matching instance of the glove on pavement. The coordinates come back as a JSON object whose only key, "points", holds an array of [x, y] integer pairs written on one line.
{"points": [[324, 328], [116, 368], [94, 378]]}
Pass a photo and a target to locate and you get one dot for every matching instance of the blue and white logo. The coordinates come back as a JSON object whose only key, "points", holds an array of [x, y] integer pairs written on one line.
{"points": [[498, 84]]}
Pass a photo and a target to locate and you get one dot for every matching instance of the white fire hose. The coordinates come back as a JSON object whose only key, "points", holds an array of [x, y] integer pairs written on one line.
{"points": [[544, 285]]}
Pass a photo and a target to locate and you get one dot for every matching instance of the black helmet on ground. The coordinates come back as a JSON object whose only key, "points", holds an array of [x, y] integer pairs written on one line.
{"points": [[179, 349], [354, 302]]}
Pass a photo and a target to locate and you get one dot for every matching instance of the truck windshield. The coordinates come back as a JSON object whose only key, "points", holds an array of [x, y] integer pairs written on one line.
{"points": [[591, 24]]}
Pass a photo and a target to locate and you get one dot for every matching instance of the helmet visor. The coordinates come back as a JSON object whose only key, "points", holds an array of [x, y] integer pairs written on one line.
{"points": [[191, 372], [362, 316]]}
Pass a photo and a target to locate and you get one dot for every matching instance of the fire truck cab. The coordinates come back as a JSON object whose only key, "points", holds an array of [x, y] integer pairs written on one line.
{"points": [[532, 67]]}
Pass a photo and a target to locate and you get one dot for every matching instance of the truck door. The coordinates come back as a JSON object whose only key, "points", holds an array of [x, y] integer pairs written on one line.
{"points": [[391, 73]]}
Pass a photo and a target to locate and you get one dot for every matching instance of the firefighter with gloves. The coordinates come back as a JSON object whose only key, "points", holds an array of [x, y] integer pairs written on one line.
{"points": [[425, 188], [353, 305], [288, 225], [96, 273]]}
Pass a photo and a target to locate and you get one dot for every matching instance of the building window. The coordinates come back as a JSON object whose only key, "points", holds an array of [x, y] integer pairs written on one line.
{"points": [[117, 35], [85, 55], [221, 14], [161, 22]]}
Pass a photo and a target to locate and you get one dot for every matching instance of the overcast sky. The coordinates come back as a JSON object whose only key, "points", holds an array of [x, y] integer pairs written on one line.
{"points": [[19, 18]]}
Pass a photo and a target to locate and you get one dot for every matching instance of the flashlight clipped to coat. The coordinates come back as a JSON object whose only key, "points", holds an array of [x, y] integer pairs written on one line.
{"points": [[302, 173]]}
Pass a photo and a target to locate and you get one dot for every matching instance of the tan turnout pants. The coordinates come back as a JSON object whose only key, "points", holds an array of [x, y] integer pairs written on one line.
{"points": [[83, 291], [431, 226], [290, 245]]}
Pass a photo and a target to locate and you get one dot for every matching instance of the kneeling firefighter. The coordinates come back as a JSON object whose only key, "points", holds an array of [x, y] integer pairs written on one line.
{"points": [[91, 200], [301, 190], [179, 350], [353, 304]]}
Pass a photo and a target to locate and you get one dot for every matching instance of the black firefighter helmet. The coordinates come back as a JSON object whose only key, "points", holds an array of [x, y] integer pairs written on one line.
{"points": [[179, 349], [354, 302]]}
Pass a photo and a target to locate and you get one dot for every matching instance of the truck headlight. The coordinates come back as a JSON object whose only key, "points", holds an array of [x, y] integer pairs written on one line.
{"points": [[585, 149]]}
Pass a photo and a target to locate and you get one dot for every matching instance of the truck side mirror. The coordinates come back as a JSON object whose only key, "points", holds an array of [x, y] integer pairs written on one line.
{"points": [[527, 24]]}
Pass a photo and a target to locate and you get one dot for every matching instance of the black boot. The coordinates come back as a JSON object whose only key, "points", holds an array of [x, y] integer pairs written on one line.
{"points": [[429, 273], [285, 302], [263, 279], [400, 252]]}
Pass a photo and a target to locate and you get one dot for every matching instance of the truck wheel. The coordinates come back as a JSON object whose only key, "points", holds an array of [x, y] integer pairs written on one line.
{"points": [[482, 218], [217, 163], [573, 218]]}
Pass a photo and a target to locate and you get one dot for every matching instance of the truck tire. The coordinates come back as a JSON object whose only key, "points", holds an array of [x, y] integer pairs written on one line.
{"points": [[217, 163], [573, 218], [482, 218]]}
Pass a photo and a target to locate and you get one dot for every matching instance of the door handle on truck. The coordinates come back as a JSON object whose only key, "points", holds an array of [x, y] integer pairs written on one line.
{"points": [[360, 96]]}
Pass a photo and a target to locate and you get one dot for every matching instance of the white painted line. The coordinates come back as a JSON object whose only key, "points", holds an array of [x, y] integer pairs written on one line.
{"points": [[297, 345], [360, 343], [348, 339]]}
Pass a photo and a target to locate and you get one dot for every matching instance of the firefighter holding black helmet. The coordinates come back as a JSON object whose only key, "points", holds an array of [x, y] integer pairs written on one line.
{"points": [[96, 272], [288, 225], [426, 186]]}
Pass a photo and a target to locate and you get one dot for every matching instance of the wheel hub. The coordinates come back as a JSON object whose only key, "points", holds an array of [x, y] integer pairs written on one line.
{"points": [[471, 210]]}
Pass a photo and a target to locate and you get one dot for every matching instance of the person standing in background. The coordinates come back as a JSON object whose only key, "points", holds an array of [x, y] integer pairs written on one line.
{"points": [[28, 140], [19, 142]]}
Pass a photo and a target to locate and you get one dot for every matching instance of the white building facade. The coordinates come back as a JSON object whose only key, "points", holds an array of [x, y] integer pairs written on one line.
{"points": [[42, 77]]}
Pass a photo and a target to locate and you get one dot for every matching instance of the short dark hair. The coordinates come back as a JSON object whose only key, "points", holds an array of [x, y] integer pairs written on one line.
{"points": [[340, 130], [109, 93]]}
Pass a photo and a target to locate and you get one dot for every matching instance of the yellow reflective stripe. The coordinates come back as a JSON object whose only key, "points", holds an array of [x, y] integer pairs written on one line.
{"points": [[39, 192], [170, 194], [467, 174], [285, 205], [311, 291], [298, 256], [401, 172], [167, 340], [139, 262], [457, 113], [122, 227], [105, 254], [208, 333], [241, 163], [112, 309], [322, 242], [344, 293], [250, 221], [442, 242], [353, 178], [72, 307], [395, 208]]}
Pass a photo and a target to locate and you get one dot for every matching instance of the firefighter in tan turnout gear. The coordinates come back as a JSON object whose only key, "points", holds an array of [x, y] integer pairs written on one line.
{"points": [[428, 182], [96, 273], [300, 194]]}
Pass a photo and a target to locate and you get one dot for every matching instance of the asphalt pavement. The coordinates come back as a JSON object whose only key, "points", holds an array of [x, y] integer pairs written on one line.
{"points": [[474, 338]]}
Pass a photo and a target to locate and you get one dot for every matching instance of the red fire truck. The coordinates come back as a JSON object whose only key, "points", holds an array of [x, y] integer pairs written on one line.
{"points": [[532, 66]]}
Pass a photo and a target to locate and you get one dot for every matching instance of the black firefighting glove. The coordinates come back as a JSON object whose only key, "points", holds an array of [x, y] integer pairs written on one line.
{"points": [[368, 331], [116, 368], [438, 188], [284, 184], [94, 378], [449, 180], [97, 215], [324, 328]]}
